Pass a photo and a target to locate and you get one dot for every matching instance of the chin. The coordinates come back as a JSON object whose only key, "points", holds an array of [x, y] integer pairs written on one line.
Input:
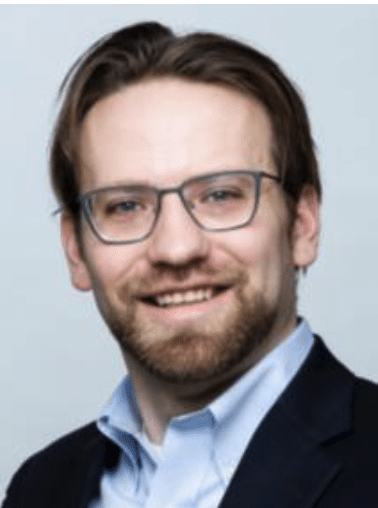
{"points": [[206, 351]]}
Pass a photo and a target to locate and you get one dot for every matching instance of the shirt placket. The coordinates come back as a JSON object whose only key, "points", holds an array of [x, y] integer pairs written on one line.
{"points": [[184, 463]]}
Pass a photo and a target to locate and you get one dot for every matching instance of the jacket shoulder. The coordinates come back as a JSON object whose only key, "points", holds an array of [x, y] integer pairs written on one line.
{"points": [[67, 445], [365, 406], [53, 465]]}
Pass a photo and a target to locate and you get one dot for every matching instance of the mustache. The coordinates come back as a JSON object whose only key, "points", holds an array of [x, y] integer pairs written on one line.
{"points": [[158, 278]]}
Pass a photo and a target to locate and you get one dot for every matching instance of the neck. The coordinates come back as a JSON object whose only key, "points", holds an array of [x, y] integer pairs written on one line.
{"points": [[159, 401]]}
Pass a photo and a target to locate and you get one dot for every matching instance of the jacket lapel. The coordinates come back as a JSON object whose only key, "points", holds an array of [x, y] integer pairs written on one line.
{"points": [[287, 463]]}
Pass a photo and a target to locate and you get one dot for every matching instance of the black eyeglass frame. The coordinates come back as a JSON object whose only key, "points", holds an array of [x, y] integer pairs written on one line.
{"points": [[84, 199]]}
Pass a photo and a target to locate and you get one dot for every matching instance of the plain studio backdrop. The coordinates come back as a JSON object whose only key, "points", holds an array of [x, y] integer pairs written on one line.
{"points": [[58, 364]]}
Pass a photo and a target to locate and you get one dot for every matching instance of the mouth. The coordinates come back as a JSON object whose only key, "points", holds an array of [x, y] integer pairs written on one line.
{"points": [[184, 297]]}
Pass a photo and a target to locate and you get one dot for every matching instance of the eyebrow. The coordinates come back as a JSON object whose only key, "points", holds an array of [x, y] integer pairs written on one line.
{"points": [[119, 184]]}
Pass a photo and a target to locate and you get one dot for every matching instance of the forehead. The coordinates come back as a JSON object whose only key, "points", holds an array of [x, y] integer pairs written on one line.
{"points": [[163, 131]]}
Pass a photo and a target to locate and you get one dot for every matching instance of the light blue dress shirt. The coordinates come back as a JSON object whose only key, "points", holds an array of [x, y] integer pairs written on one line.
{"points": [[201, 450]]}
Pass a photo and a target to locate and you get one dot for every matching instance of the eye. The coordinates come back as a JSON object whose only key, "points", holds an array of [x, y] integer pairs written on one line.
{"points": [[220, 196], [122, 207]]}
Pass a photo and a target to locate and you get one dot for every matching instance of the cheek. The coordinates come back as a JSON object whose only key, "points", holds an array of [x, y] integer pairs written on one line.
{"points": [[109, 265], [264, 254]]}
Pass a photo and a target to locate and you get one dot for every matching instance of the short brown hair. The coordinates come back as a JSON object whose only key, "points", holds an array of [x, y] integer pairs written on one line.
{"points": [[149, 50]]}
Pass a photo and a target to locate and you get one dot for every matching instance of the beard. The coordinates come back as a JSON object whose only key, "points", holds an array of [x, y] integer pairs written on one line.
{"points": [[203, 350]]}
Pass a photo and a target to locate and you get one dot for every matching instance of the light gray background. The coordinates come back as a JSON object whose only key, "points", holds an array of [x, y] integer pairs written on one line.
{"points": [[58, 364]]}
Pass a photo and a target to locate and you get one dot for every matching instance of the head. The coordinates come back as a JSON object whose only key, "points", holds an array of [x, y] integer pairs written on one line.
{"points": [[123, 97]]}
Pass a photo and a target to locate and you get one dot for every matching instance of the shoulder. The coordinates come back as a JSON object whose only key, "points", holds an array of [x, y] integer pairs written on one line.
{"points": [[67, 445], [365, 406], [56, 465], [325, 395], [363, 393]]}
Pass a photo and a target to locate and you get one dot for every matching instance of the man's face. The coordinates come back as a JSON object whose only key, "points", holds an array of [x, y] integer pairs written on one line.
{"points": [[241, 283]]}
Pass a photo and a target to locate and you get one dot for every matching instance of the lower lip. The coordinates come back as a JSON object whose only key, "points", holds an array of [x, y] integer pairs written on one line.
{"points": [[186, 312]]}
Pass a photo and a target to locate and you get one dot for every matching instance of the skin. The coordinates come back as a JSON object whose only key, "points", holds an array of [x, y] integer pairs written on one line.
{"points": [[162, 132]]}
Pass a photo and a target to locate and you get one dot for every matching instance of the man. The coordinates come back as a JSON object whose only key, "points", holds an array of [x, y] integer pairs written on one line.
{"points": [[190, 194]]}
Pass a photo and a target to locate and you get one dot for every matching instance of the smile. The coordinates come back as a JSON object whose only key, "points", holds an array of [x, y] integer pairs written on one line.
{"points": [[177, 298], [168, 300]]}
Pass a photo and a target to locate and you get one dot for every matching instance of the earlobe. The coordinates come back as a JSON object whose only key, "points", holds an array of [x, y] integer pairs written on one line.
{"points": [[306, 228], [80, 278]]}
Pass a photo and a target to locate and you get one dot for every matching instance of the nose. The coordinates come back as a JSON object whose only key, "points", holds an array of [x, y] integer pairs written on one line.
{"points": [[176, 240]]}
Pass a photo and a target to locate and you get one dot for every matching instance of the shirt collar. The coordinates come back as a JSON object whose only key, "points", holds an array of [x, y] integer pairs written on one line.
{"points": [[121, 411]]}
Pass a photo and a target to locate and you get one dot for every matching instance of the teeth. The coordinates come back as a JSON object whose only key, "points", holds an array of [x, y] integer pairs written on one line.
{"points": [[187, 297]]}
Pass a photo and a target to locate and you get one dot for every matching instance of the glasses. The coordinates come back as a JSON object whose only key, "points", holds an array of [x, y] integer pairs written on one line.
{"points": [[216, 202]]}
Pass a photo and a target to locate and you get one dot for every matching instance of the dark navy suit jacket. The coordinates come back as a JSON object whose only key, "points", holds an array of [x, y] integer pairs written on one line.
{"points": [[317, 447]]}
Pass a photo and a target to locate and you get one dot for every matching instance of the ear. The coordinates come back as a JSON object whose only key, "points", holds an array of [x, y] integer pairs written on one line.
{"points": [[80, 277], [306, 228]]}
